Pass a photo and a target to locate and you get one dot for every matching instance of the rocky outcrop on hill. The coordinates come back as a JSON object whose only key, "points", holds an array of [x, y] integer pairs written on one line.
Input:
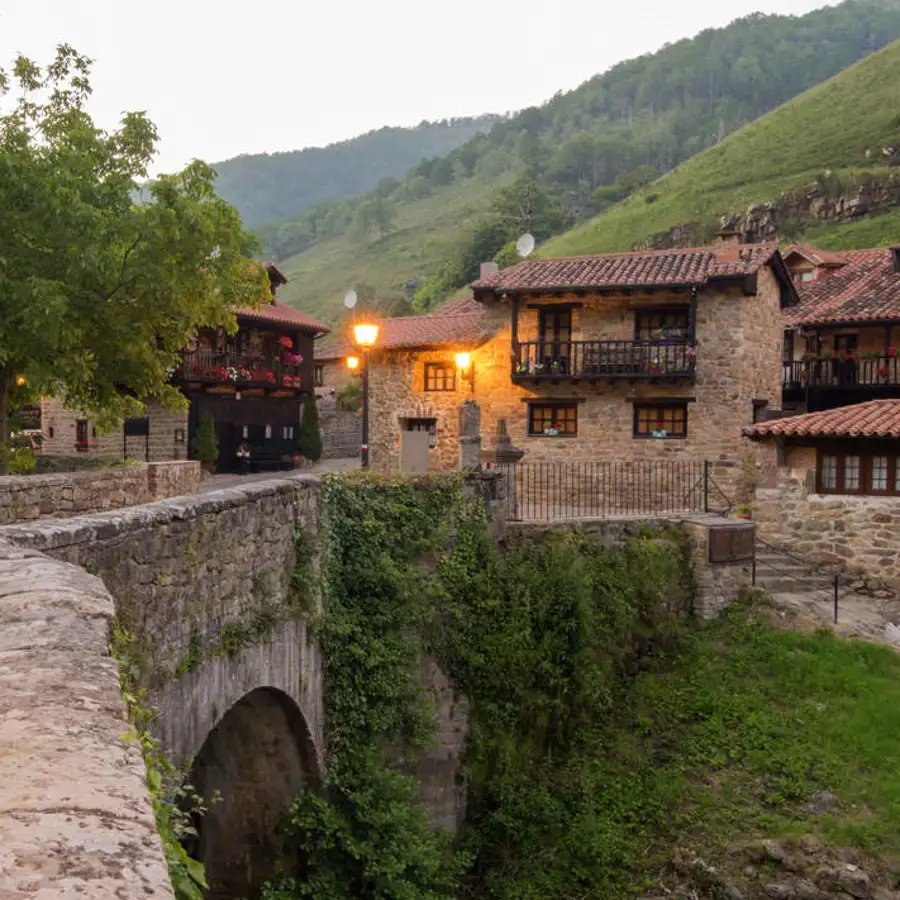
{"points": [[825, 200]]}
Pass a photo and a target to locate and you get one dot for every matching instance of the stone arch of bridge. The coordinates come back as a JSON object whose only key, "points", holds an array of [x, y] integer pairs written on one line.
{"points": [[259, 756]]}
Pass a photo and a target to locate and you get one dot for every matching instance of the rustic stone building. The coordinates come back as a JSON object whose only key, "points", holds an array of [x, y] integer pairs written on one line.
{"points": [[839, 344], [831, 484], [638, 356], [252, 384]]}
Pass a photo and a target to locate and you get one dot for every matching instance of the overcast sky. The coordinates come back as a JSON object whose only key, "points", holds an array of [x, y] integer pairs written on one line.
{"points": [[220, 79]]}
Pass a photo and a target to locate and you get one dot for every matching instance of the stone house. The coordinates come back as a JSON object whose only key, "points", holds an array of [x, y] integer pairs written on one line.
{"points": [[658, 355], [839, 343], [830, 486], [252, 383]]}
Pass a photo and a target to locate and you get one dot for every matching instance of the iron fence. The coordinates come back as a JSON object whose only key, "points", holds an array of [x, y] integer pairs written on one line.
{"points": [[554, 491]]}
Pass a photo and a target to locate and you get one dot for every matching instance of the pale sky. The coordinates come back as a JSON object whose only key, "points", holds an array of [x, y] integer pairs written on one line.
{"points": [[220, 79]]}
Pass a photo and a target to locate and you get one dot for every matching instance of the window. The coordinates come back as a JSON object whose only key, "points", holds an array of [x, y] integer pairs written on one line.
{"points": [[319, 375], [660, 420], [857, 471], [268, 432], [555, 327], [553, 419], [846, 343], [440, 376], [81, 435], [287, 432], [662, 325], [429, 425], [803, 276]]}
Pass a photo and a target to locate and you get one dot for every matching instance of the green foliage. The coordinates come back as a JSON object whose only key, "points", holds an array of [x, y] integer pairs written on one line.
{"points": [[175, 803], [310, 440], [543, 640], [16, 460], [206, 444], [644, 116], [99, 294], [507, 255], [350, 395], [361, 834]]}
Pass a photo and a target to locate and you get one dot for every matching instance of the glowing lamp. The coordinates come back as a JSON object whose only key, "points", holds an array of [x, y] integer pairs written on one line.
{"points": [[352, 362], [365, 334], [21, 380], [463, 360]]}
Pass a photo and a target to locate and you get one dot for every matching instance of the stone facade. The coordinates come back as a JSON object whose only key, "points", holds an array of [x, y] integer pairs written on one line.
{"points": [[30, 497], [860, 534], [739, 341], [341, 429], [75, 815], [167, 440]]}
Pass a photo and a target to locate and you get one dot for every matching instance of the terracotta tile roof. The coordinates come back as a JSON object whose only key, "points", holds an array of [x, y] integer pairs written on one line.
{"points": [[648, 268], [281, 314], [865, 289], [434, 330], [875, 419], [817, 257]]}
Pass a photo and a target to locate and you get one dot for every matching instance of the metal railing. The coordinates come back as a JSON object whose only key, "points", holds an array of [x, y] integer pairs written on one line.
{"points": [[603, 359], [841, 372], [219, 366], [558, 491]]}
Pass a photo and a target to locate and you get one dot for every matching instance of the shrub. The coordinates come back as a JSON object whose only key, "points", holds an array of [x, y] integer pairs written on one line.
{"points": [[206, 445], [310, 438]]}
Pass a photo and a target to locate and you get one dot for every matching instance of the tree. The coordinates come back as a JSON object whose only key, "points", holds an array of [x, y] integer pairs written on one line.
{"points": [[310, 440], [99, 294], [206, 444], [377, 213]]}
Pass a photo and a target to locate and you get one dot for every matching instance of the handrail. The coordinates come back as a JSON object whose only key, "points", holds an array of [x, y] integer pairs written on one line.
{"points": [[842, 371], [603, 357]]}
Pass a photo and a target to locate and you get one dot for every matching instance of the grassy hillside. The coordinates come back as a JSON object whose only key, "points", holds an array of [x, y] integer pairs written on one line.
{"points": [[590, 147], [266, 186], [429, 231], [828, 128]]}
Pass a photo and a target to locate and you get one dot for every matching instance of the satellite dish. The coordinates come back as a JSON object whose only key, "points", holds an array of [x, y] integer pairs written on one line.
{"points": [[350, 299], [524, 245]]}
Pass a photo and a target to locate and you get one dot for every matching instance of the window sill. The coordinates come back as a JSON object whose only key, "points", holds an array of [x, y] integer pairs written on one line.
{"points": [[553, 435], [668, 437]]}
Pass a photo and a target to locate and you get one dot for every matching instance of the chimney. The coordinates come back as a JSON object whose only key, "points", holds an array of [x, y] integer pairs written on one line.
{"points": [[728, 246], [488, 269], [895, 258]]}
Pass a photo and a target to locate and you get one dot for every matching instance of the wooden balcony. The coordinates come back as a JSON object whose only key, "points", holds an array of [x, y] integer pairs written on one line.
{"points": [[842, 373], [602, 360], [247, 370]]}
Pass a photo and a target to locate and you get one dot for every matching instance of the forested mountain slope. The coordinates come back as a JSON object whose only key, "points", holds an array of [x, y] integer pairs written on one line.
{"points": [[277, 185], [559, 164], [827, 144]]}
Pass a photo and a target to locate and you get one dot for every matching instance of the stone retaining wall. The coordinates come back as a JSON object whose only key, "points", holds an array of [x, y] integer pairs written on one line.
{"points": [[858, 534], [30, 497], [75, 815]]}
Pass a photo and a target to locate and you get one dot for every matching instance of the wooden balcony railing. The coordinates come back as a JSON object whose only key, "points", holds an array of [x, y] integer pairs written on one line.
{"points": [[838, 372], [602, 360], [228, 366]]}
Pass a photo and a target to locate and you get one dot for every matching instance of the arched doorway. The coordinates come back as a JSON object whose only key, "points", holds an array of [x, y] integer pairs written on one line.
{"points": [[258, 758]]}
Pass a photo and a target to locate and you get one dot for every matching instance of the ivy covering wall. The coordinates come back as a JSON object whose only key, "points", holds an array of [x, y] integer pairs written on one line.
{"points": [[542, 637]]}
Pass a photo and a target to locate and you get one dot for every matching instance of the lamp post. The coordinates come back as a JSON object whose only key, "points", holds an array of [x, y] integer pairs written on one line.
{"points": [[365, 336]]}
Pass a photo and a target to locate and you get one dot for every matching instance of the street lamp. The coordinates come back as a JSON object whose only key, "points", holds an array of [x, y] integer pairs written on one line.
{"points": [[365, 335]]}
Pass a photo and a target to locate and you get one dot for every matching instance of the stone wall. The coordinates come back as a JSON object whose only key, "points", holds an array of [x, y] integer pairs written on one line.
{"points": [[167, 439], [75, 815], [30, 497], [341, 429], [190, 573], [738, 361], [858, 534]]}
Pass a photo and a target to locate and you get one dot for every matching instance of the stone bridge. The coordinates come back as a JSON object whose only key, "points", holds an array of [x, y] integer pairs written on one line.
{"points": [[210, 595]]}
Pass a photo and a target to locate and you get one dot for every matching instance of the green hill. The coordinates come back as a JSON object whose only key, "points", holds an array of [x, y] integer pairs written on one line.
{"points": [[581, 152], [838, 128], [266, 186]]}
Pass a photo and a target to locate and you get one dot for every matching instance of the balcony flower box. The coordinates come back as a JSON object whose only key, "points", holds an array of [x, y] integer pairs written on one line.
{"points": [[293, 359], [286, 342]]}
